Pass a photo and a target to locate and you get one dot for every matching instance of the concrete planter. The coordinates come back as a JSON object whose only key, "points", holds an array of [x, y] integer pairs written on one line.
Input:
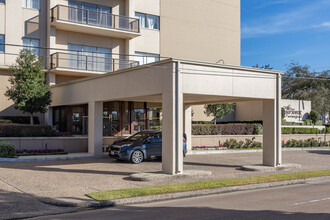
{"points": [[216, 140], [69, 144]]}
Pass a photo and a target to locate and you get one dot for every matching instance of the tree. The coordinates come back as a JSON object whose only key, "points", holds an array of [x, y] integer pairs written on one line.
{"points": [[218, 110], [282, 113], [267, 67], [299, 82], [28, 89], [314, 116]]}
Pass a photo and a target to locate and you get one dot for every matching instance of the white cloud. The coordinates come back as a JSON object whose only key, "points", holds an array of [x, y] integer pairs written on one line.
{"points": [[294, 19], [274, 2], [323, 25]]}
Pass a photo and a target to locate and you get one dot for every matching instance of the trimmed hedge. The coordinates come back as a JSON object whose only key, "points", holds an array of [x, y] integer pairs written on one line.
{"points": [[227, 129], [296, 130], [7, 150], [21, 119], [311, 142], [225, 122], [19, 130], [234, 144], [326, 130], [3, 121], [248, 129]]}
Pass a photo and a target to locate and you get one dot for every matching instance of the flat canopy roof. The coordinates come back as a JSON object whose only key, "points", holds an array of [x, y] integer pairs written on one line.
{"points": [[199, 82]]}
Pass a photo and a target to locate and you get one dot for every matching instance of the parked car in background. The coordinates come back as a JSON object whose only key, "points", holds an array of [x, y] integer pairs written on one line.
{"points": [[140, 146]]}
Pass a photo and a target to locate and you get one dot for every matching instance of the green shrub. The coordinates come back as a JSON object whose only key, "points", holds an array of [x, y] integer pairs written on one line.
{"points": [[297, 130], [319, 122], [311, 142], [325, 143], [240, 144], [258, 129], [203, 122], [308, 122], [231, 144], [225, 129], [314, 116], [7, 150], [19, 130], [4, 121], [326, 130], [21, 119], [256, 144], [282, 113], [240, 122], [248, 143]]}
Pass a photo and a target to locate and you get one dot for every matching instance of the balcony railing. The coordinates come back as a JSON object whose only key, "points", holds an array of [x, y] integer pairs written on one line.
{"points": [[94, 63], [94, 18]]}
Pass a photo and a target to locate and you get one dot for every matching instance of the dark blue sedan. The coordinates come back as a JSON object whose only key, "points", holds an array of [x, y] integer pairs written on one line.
{"points": [[142, 145]]}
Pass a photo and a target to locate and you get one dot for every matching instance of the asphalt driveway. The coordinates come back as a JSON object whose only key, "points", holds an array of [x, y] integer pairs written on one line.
{"points": [[24, 185]]}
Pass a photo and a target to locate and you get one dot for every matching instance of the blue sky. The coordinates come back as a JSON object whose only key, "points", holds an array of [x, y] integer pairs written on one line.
{"points": [[277, 32]]}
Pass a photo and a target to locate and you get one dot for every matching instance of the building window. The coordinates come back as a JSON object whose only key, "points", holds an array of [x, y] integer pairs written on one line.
{"points": [[3, 1], [35, 4], [2, 43], [148, 21], [90, 14], [31, 44], [90, 58], [145, 58]]}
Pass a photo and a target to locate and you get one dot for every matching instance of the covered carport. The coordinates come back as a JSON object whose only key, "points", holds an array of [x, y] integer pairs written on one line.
{"points": [[178, 84]]}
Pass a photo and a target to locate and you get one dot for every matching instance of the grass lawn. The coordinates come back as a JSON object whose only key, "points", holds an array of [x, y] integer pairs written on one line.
{"points": [[208, 184]]}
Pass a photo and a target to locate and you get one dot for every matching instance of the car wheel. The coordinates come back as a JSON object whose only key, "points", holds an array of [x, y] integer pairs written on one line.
{"points": [[137, 157]]}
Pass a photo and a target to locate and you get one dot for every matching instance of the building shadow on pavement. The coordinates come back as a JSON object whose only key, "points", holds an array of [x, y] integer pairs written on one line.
{"points": [[136, 212], [16, 205], [323, 152], [61, 166], [212, 165]]}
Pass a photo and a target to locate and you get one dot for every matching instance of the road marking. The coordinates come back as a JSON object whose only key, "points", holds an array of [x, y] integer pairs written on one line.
{"points": [[311, 201]]}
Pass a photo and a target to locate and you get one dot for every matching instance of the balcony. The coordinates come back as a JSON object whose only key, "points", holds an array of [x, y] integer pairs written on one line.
{"points": [[94, 22], [79, 64]]}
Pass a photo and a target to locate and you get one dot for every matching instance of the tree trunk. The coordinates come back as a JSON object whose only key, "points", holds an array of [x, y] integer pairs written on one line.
{"points": [[215, 120], [31, 119]]}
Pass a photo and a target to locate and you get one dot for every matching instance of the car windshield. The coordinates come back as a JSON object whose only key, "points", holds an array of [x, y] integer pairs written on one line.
{"points": [[138, 136]]}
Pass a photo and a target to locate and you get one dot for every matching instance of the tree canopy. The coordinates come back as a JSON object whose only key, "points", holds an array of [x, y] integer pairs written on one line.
{"points": [[299, 82], [28, 89], [218, 110]]}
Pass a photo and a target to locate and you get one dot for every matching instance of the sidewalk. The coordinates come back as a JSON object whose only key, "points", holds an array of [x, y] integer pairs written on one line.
{"points": [[25, 187]]}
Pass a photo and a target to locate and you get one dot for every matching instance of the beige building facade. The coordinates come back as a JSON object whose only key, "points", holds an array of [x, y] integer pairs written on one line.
{"points": [[111, 71], [85, 38]]}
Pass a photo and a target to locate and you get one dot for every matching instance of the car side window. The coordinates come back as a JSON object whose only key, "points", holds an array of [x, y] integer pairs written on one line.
{"points": [[156, 138]]}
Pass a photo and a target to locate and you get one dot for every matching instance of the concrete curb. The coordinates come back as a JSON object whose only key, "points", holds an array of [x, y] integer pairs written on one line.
{"points": [[203, 152], [262, 168], [180, 195], [159, 176]]}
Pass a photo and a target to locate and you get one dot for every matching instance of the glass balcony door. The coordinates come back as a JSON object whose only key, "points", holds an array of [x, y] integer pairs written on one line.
{"points": [[89, 58], [84, 13]]}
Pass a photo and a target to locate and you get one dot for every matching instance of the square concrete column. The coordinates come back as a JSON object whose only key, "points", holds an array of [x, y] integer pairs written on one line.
{"points": [[187, 126], [95, 131], [172, 114], [51, 79], [271, 134], [49, 116]]}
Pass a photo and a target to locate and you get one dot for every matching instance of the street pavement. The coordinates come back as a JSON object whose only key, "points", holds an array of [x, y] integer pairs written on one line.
{"points": [[302, 202], [23, 186]]}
